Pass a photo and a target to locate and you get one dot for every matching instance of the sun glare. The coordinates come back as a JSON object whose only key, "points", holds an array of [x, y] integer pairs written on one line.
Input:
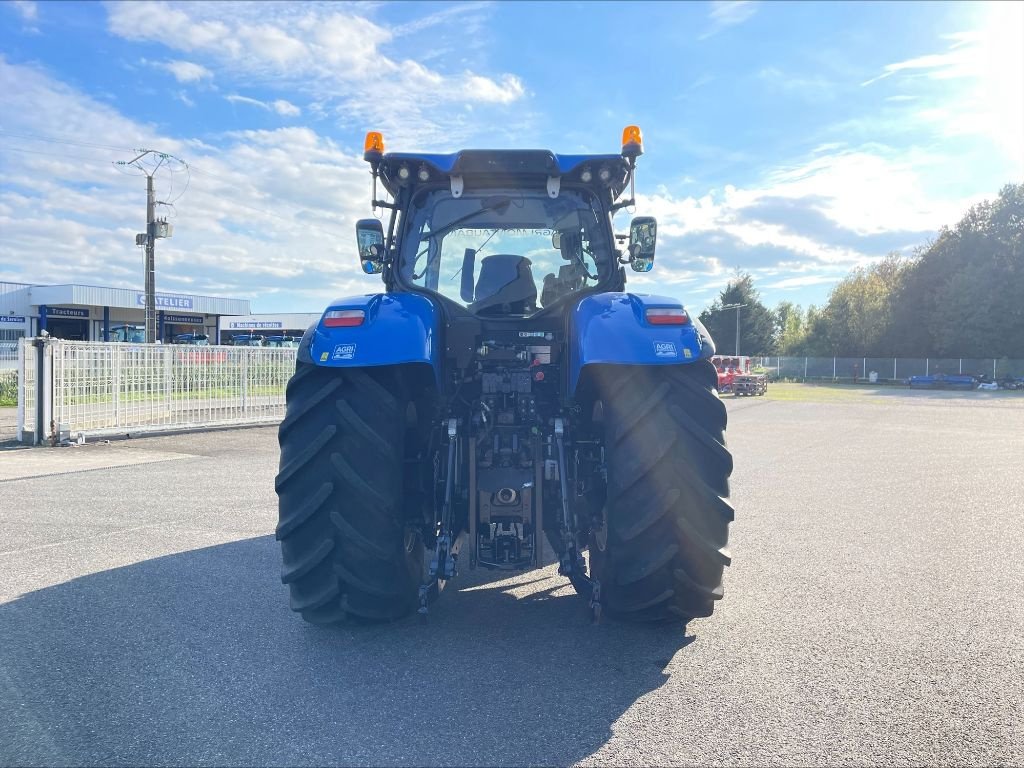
{"points": [[1000, 86]]}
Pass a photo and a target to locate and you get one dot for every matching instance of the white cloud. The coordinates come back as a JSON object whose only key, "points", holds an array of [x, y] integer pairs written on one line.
{"points": [[186, 71], [135, 21], [285, 108], [334, 57], [727, 13], [442, 17], [801, 226], [508, 89], [282, 202], [867, 191], [27, 9], [274, 44], [982, 77], [282, 107], [234, 98], [805, 280]]}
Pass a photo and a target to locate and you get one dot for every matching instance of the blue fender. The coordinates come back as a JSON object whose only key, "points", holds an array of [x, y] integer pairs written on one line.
{"points": [[398, 328], [613, 328]]}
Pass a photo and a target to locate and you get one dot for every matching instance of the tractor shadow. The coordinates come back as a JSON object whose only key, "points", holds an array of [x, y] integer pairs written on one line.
{"points": [[195, 659]]}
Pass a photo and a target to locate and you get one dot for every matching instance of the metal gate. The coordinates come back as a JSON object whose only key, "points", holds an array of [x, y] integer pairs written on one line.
{"points": [[79, 388]]}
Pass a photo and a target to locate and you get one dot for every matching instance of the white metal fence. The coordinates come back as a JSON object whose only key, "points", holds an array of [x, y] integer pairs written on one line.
{"points": [[97, 388], [886, 368], [8, 389], [69, 388]]}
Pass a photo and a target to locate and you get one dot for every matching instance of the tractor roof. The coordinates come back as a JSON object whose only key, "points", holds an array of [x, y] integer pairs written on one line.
{"points": [[504, 168]]}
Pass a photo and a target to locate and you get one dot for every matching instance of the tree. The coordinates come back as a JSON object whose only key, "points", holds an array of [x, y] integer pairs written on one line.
{"points": [[963, 295], [960, 296], [790, 328], [858, 317], [815, 342], [757, 324]]}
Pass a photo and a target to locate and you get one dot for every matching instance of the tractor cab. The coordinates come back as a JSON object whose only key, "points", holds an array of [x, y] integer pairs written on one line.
{"points": [[503, 233], [192, 339], [135, 334]]}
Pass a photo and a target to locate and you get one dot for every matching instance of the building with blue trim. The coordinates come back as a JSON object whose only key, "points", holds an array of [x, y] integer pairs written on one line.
{"points": [[94, 313], [292, 324]]}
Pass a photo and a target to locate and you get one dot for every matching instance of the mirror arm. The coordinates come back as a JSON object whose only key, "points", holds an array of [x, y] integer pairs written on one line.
{"points": [[391, 227], [374, 202], [374, 169]]}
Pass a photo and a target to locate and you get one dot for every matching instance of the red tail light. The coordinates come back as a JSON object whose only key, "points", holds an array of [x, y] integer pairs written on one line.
{"points": [[667, 316], [344, 318]]}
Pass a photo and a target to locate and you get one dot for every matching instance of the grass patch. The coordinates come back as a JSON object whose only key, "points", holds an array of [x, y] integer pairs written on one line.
{"points": [[8, 388], [792, 392], [818, 393]]}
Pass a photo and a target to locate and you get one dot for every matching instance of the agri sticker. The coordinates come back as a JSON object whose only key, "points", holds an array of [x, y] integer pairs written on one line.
{"points": [[665, 349], [344, 352]]}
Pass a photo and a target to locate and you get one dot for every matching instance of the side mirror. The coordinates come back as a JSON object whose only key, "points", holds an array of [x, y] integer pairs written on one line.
{"points": [[643, 234], [370, 241]]}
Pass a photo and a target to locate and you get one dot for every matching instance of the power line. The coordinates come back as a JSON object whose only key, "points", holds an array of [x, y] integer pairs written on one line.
{"points": [[80, 158], [188, 166], [191, 168], [103, 164], [56, 140]]}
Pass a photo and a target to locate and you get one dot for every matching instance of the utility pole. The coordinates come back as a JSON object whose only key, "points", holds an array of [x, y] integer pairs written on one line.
{"points": [[150, 268], [155, 228], [737, 307]]}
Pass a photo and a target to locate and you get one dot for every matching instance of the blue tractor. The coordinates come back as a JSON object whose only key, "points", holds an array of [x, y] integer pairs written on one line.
{"points": [[504, 389]]}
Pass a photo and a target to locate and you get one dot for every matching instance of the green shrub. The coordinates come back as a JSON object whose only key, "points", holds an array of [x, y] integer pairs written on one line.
{"points": [[8, 388]]}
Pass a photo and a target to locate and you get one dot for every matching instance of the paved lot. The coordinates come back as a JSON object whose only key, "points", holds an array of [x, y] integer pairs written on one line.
{"points": [[873, 614], [8, 424]]}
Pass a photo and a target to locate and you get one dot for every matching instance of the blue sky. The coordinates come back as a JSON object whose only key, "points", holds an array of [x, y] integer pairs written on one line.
{"points": [[791, 140]]}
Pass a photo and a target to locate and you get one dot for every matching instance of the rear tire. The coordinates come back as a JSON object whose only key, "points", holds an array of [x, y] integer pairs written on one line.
{"points": [[348, 549], [661, 549]]}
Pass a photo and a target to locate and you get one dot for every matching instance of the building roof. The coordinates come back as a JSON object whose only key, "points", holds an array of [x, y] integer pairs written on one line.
{"points": [[98, 296]]}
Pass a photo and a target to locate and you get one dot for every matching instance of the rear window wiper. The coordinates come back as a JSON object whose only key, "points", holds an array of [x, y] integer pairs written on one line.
{"points": [[493, 203]]}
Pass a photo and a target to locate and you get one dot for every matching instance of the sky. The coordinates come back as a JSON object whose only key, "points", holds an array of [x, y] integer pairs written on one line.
{"points": [[794, 141]]}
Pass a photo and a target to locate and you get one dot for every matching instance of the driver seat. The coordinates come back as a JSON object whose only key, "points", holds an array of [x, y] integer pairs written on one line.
{"points": [[505, 278]]}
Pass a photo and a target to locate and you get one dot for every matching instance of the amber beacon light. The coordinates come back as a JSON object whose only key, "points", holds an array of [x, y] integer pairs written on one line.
{"points": [[632, 141], [373, 147]]}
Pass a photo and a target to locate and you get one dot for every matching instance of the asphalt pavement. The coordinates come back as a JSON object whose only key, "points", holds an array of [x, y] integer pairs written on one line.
{"points": [[8, 424], [873, 614]]}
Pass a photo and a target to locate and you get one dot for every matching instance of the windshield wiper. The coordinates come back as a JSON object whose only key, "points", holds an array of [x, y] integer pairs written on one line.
{"points": [[494, 203]]}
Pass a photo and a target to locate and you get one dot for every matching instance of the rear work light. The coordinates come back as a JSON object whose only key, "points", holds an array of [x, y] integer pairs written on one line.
{"points": [[667, 316], [344, 318]]}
